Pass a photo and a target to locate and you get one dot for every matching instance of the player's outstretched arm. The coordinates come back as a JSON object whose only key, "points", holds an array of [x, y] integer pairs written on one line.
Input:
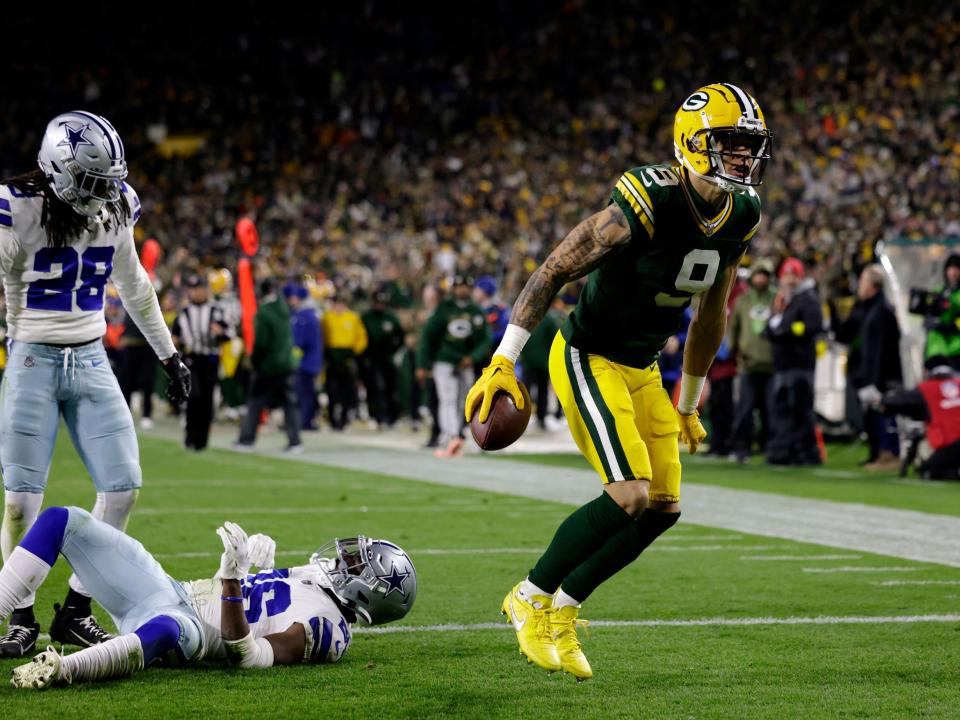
{"points": [[285, 648], [577, 254], [706, 331]]}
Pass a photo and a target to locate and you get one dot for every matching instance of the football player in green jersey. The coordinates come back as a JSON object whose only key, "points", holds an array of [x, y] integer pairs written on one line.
{"points": [[670, 233]]}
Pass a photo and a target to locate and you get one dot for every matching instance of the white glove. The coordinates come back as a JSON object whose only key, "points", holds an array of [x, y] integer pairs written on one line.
{"points": [[262, 548], [235, 561], [870, 396]]}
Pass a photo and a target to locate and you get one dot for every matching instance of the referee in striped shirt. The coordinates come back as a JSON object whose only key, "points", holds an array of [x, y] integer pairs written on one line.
{"points": [[198, 331]]}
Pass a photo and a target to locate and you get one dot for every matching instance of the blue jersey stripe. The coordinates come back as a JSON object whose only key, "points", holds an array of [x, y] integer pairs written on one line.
{"points": [[315, 632], [6, 220], [326, 641], [4, 204]]}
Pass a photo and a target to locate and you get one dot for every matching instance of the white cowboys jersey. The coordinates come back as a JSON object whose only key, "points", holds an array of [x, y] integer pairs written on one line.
{"points": [[273, 600], [55, 295]]}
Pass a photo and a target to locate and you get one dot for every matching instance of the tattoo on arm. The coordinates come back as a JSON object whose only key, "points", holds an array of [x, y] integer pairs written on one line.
{"points": [[576, 255], [614, 218]]}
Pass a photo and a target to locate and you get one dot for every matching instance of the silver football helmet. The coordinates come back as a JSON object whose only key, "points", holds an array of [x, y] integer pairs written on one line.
{"points": [[374, 578], [83, 157]]}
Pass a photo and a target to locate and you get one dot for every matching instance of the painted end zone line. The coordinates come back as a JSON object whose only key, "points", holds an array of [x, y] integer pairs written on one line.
{"points": [[821, 620]]}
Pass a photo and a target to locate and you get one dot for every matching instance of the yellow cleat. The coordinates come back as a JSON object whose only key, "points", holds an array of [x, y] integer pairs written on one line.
{"points": [[572, 659], [531, 620]]}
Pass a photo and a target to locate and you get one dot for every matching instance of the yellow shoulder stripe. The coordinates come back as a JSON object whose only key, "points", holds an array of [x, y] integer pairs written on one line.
{"points": [[636, 184], [638, 209], [749, 235]]}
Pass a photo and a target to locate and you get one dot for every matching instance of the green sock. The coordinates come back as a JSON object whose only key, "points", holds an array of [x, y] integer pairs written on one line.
{"points": [[621, 550], [578, 537]]}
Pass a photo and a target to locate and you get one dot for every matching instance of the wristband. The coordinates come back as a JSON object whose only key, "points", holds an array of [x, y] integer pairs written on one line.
{"points": [[231, 598], [514, 338], [690, 388]]}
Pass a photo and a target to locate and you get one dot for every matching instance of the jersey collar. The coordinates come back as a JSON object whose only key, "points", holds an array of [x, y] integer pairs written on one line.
{"points": [[708, 226]]}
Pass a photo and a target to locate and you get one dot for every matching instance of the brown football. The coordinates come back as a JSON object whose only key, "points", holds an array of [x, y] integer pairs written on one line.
{"points": [[505, 424]]}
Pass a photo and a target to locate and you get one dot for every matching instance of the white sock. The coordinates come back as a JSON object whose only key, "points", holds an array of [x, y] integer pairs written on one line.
{"points": [[561, 599], [119, 657], [20, 510], [21, 575], [113, 508], [528, 590]]}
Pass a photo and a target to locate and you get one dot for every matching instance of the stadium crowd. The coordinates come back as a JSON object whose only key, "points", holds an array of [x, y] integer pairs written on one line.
{"points": [[390, 166], [425, 152]]}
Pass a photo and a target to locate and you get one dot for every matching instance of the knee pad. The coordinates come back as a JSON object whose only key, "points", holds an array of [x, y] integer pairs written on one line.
{"points": [[158, 637], [114, 508]]}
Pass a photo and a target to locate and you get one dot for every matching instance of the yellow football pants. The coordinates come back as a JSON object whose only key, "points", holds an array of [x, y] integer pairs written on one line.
{"points": [[620, 417]]}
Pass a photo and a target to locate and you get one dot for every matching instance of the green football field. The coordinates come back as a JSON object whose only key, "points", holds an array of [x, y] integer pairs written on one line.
{"points": [[708, 623]]}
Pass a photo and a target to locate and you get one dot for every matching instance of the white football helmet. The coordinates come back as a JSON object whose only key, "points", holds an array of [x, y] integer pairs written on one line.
{"points": [[374, 578], [83, 157]]}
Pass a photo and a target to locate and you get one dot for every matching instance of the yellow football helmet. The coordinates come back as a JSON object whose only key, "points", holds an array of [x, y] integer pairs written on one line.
{"points": [[220, 281], [721, 121]]}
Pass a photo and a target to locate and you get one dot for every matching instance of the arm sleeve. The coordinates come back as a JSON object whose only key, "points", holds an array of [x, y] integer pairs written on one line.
{"points": [[872, 361], [360, 341], [262, 336], [846, 330], [481, 344], [733, 331], [428, 342], [906, 402], [327, 637], [219, 316], [9, 249], [138, 296], [813, 316], [397, 336]]}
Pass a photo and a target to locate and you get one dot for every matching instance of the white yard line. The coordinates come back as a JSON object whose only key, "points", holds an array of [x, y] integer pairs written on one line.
{"points": [[419, 552], [328, 510], [897, 583], [714, 548], [701, 622], [788, 558], [675, 537], [910, 535], [858, 569]]}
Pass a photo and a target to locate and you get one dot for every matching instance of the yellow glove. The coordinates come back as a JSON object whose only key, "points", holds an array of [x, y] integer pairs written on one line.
{"points": [[691, 431], [498, 375]]}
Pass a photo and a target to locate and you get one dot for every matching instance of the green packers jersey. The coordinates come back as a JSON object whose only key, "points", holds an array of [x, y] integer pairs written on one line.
{"points": [[635, 299]]}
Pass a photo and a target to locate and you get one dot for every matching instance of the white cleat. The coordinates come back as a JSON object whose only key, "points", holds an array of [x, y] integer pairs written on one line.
{"points": [[40, 673]]}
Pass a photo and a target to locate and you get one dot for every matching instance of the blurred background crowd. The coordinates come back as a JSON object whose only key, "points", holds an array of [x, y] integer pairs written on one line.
{"points": [[385, 151]]}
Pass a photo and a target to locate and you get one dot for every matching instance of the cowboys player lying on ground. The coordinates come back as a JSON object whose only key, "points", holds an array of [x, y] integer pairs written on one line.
{"points": [[274, 617]]}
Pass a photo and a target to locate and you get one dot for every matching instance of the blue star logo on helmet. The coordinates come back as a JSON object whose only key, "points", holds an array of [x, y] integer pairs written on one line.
{"points": [[75, 137], [394, 580]]}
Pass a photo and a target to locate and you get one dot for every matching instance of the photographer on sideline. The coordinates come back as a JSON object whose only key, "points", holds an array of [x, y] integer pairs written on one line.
{"points": [[936, 401], [943, 337]]}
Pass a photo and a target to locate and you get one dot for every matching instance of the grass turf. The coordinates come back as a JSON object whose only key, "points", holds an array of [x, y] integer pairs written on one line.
{"points": [[470, 547], [840, 479]]}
